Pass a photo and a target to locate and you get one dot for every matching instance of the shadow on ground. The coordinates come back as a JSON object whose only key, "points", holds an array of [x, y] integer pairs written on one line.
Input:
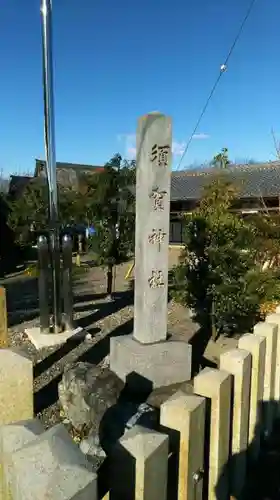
{"points": [[22, 299], [199, 342], [23, 302], [48, 394], [102, 310], [261, 480]]}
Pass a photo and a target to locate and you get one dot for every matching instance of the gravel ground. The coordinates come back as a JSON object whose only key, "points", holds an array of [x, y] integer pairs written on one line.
{"points": [[101, 319]]}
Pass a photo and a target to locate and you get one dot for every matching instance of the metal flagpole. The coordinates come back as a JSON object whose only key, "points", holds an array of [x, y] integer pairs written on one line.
{"points": [[46, 12]]}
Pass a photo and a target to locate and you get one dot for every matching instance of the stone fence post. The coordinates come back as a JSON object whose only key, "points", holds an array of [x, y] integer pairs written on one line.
{"points": [[186, 414], [16, 387], [238, 363], [256, 345], [275, 319], [140, 466], [269, 331], [215, 385], [3, 318]]}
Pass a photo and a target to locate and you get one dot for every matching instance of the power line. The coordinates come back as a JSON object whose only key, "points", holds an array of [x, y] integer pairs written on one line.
{"points": [[223, 68]]}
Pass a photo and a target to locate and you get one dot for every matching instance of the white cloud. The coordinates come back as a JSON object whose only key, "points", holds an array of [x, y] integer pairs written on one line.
{"points": [[178, 148], [126, 137], [200, 136], [131, 153], [129, 145]]}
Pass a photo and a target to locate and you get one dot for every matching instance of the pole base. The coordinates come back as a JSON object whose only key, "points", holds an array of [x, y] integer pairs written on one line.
{"points": [[42, 340]]}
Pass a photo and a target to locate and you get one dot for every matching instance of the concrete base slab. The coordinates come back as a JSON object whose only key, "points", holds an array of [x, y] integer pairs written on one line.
{"points": [[160, 364], [41, 340]]}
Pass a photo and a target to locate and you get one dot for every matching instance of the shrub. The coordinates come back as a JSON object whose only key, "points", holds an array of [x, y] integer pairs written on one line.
{"points": [[219, 276]]}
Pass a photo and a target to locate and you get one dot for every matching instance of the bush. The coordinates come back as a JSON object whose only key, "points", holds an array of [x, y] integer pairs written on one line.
{"points": [[219, 277]]}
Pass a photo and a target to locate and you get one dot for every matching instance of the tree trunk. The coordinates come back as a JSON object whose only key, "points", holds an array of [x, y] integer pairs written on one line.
{"points": [[110, 280]]}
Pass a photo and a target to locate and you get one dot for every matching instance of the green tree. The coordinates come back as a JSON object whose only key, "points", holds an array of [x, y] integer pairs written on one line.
{"points": [[72, 207], [30, 212], [111, 205], [267, 238], [219, 276], [221, 160]]}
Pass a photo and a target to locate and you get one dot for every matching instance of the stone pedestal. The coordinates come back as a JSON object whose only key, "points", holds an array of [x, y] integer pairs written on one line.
{"points": [[160, 364]]}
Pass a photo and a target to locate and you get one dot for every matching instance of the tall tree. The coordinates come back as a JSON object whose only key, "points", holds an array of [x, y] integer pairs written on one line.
{"points": [[112, 206], [219, 276], [221, 160], [30, 211]]}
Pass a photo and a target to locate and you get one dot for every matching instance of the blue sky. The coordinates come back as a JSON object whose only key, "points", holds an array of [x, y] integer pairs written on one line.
{"points": [[115, 61]]}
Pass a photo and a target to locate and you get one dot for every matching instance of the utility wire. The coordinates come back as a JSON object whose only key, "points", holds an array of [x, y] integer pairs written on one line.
{"points": [[223, 68]]}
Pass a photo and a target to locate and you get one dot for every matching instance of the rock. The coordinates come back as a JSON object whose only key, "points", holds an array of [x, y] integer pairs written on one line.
{"points": [[117, 421], [93, 452], [191, 313], [105, 363], [86, 393], [90, 446], [90, 398]]}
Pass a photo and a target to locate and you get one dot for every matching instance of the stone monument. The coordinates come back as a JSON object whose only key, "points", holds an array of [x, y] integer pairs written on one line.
{"points": [[147, 352]]}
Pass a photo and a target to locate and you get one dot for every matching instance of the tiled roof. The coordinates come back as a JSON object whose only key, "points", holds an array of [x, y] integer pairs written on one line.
{"points": [[253, 181], [62, 165], [68, 174]]}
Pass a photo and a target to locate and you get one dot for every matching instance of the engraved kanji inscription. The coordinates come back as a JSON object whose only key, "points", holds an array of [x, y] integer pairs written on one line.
{"points": [[158, 199], [156, 280], [157, 237], [160, 155]]}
